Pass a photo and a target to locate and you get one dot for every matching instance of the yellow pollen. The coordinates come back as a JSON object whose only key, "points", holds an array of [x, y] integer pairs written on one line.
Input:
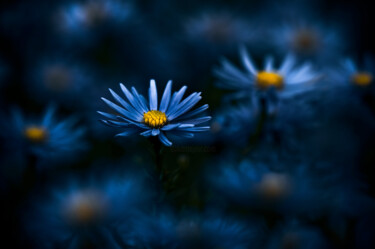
{"points": [[155, 119], [265, 80], [362, 79], [36, 134]]}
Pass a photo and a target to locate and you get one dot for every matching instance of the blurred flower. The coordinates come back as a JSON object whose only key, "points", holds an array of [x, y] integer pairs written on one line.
{"points": [[351, 73], [86, 213], [61, 80], [218, 28], [79, 17], [173, 116], [286, 190], [46, 139], [307, 40], [268, 84]]}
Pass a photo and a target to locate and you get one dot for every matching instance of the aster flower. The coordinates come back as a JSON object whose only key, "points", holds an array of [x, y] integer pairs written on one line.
{"points": [[288, 190], [308, 40], [218, 28], [173, 116], [81, 16], [46, 139], [283, 82], [60, 80], [88, 212], [351, 73]]}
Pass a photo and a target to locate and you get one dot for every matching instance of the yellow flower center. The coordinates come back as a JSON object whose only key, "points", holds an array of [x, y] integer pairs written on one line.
{"points": [[273, 185], [306, 40], [265, 80], [362, 79], [155, 119], [85, 207], [36, 134]]}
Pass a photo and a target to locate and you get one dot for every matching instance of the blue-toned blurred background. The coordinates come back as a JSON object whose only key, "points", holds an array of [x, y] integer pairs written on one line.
{"points": [[282, 166]]}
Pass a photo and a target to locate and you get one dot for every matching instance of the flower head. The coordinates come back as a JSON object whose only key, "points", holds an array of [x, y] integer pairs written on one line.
{"points": [[357, 76], [218, 28], [47, 139], [173, 116], [287, 79], [87, 15], [311, 40], [82, 210]]}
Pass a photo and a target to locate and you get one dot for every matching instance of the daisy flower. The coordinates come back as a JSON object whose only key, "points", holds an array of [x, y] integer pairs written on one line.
{"points": [[173, 116], [286, 81], [217, 28], [307, 40], [86, 211], [358, 76], [48, 139], [81, 16]]}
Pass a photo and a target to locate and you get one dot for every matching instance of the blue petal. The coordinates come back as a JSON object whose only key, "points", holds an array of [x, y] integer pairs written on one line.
{"points": [[176, 98], [170, 127], [140, 100], [230, 70], [197, 120], [186, 125], [186, 107], [121, 110], [107, 115], [141, 125], [164, 140], [118, 124], [125, 104], [287, 65], [112, 124], [181, 134], [249, 65], [268, 65], [155, 132], [153, 95], [127, 132], [146, 133], [47, 120], [166, 97], [196, 111], [350, 66], [196, 129], [173, 109], [133, 101]]}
